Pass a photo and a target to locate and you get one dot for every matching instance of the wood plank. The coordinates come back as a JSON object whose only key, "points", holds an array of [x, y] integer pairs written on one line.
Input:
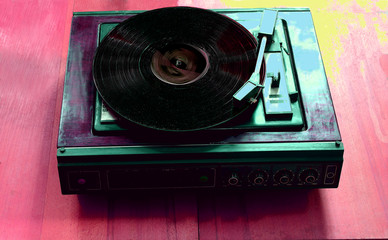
{"points": [[158, 215], [33, 48], [31, 37]]}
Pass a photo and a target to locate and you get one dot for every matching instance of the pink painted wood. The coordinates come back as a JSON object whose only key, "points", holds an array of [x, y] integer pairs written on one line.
{"points": [[33, 47]]}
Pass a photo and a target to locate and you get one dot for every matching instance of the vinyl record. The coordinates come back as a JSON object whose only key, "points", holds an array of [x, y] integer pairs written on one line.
{"points": [[174, 68]]}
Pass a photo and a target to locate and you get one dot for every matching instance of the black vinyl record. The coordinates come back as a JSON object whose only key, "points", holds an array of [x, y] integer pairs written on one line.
{"points": [[175, 69]]}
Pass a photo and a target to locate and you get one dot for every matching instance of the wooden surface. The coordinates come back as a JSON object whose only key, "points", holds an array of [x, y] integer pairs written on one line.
{"points": [[33, 46]]}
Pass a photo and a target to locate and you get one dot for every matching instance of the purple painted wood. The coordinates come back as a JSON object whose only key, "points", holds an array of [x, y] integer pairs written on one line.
{"points": [[79, 96]]}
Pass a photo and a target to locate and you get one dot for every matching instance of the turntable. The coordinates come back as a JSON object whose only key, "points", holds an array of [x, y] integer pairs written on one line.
{"points": [[191, 98]]}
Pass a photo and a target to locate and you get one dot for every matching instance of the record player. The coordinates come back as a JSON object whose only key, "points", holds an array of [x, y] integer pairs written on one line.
{"points": [[254, 118]]}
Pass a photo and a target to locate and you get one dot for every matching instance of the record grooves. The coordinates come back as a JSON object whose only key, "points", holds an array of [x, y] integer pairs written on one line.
{"points": [[175, 69]]}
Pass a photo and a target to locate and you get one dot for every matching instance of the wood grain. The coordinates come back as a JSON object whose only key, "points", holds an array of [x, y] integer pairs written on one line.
{"points": [[31, 38], [34, 38]]}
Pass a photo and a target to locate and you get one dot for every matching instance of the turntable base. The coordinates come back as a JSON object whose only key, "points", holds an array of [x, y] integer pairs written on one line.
{"points": [[295, 146]]}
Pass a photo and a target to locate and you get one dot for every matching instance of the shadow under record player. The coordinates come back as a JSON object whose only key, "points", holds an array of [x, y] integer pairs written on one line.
{"points": [[192, 98]]}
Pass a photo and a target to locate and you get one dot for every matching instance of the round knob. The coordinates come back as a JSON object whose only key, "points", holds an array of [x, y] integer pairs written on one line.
{"points": [[233, 179], [81, 181], [283, 176], [258, 177], [309, 176]]}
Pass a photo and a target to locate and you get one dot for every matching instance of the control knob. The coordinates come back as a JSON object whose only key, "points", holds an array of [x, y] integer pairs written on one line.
{"points": [[258, 177], [309, 176], [233, 179], [283, 176]]}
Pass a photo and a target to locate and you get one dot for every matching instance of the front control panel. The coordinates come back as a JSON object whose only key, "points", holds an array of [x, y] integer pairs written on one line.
{"points": [[280, 175], [222, 166]]}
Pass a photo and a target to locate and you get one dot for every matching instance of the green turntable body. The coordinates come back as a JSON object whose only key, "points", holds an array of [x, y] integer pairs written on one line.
{"points": [[289, 138]]}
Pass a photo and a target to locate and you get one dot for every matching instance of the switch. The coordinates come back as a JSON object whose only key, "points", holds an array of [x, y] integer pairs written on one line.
{"points": [[277, 104], [275, 79]]}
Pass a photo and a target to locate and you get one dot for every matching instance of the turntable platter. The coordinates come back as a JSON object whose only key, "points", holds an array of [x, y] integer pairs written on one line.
{"points": [[175, 69]]}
